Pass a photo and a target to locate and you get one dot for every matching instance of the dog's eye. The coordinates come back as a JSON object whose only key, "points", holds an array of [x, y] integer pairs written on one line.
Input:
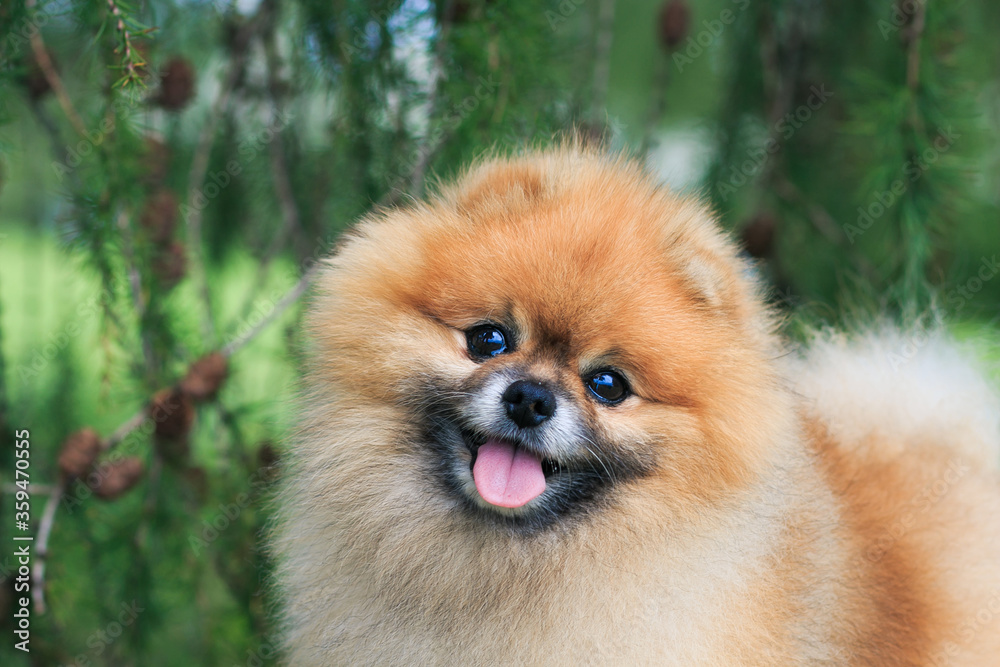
{"points": [[608, 386], [486, 341]]}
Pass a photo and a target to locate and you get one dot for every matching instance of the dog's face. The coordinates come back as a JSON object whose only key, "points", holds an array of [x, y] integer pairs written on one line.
{"points": [[547, 340]]}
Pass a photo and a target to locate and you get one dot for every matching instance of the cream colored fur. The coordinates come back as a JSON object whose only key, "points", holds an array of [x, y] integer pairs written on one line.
{"points": [[909, 386]]}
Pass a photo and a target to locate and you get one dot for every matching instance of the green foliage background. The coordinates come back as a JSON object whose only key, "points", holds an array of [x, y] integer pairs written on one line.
{"points": [[330, 108]]}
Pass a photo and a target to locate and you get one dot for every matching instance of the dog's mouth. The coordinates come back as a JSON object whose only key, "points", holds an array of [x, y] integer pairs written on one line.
{"points": [[506, 473], [515, 481]]}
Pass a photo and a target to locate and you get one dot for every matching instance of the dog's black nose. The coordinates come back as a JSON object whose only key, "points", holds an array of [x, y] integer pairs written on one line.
{"points": [[528, 403]]}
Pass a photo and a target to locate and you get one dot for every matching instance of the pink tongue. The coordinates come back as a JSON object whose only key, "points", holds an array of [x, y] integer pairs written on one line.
{"points": [[506, 476]]}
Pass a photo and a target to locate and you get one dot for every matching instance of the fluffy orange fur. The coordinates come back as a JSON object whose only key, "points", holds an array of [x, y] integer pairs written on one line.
{"points": [[746, 530]]}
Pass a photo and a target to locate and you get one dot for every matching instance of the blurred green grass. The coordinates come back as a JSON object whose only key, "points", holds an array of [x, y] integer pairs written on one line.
{"points": [[47, 293]]}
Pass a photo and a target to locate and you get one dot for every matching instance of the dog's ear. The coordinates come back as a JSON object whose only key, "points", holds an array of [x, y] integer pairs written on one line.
{"points": [[708, 263], [707, 282]]}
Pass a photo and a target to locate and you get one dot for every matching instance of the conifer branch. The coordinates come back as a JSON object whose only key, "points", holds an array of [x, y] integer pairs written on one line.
{"points": [[132, 61], [823, 222], [134, 422], [290, 297], [279, 166], [135, 286], [290, 213], [915, 36]]}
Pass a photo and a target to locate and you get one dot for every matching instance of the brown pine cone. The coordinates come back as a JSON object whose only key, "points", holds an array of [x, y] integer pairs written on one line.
{"points": [[169, 265], [155, 162], [674, 21], [159, 216], [205, 377], [173, 413], [176, 84], [758, 235], [175, 451], [79, 452], [114, 479], [36, 82]]}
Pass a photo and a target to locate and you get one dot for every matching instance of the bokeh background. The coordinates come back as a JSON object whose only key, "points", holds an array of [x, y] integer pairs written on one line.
{"points": [[170, 170]]}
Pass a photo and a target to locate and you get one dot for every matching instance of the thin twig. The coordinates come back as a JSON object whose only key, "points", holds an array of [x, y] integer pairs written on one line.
{"points": [[135, 283], [280, 306], [282, 182], [427, 152], [824, 223], [55, 82], [914, 34], [196, 177], [433, 97], [133, 422], [276, 148], [657, 104], [602, 55], [42, 547]]}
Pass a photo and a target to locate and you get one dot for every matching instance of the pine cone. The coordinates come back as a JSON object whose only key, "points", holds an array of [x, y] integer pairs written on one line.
{"points": [[173, 413], [675, 19], [159, 216], [169, 265], [116, 478], [205, 377], [175, 451], [197, 481], [176, 84], [79, 452], [758, 235], [156, 162], [36, 82]]}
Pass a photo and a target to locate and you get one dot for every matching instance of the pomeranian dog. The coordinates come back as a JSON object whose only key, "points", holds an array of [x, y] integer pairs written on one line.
{"points": [[548, 420]]}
